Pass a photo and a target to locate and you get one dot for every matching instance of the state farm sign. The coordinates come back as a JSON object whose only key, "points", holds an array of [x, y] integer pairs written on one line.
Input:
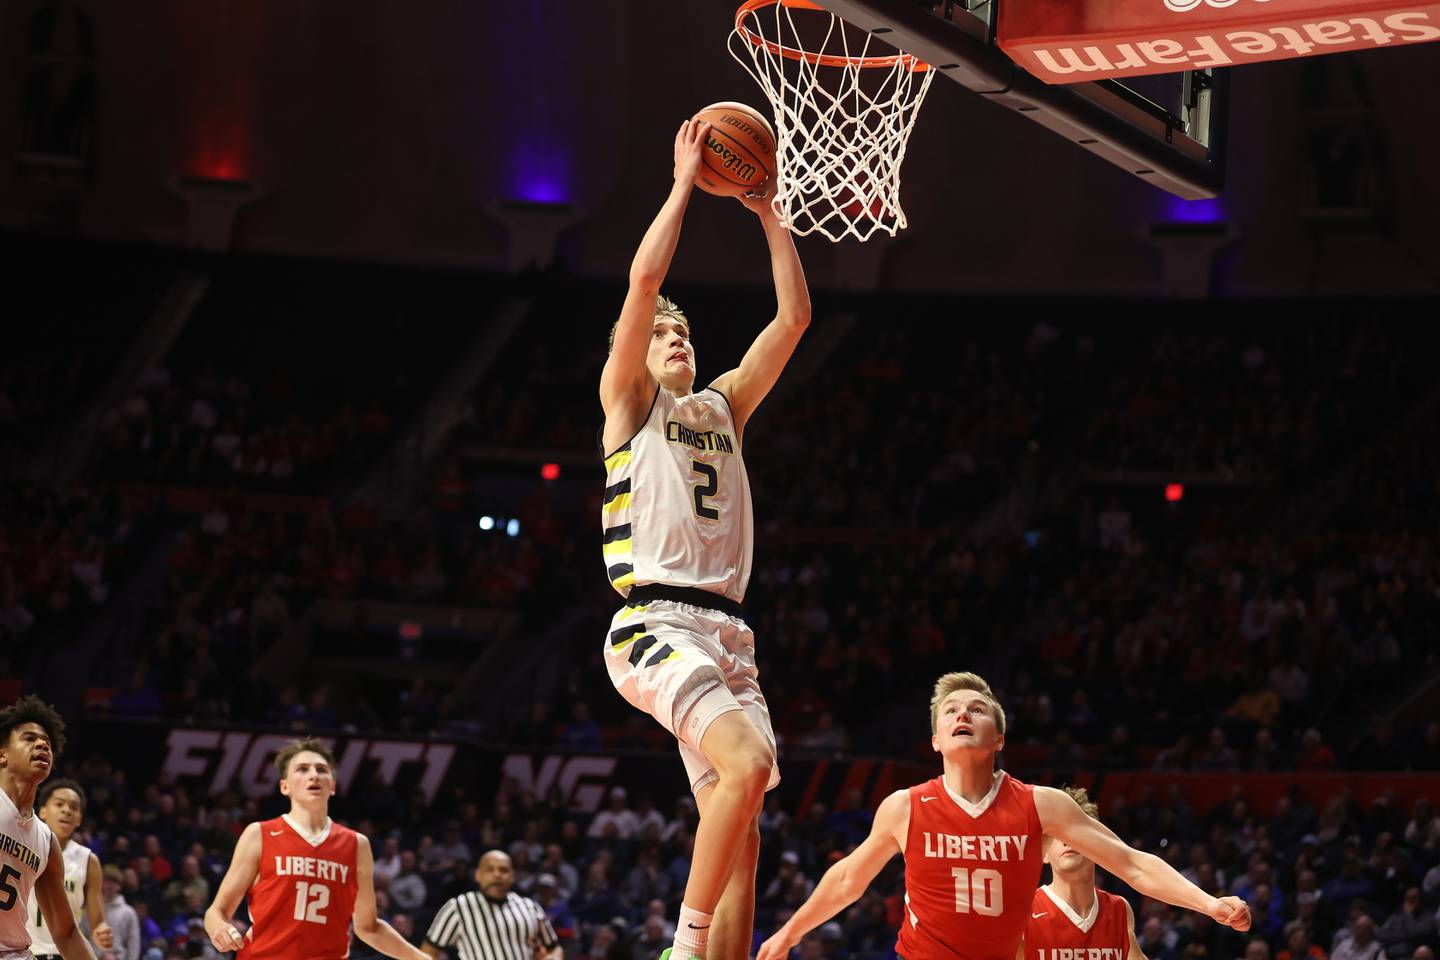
{"points": [[1104, 39]]}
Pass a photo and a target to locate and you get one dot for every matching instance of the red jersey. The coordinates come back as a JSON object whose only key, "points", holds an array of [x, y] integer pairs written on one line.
{"points": [[303, 897], [970, 871], [1057, 932]]}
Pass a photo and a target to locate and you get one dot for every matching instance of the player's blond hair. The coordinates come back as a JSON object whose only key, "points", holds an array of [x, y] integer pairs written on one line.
{"points": [[951, 682], [665, 309], [1082, 797]]}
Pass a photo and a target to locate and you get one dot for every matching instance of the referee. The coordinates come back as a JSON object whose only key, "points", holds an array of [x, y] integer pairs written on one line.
{"points": [[492, 923]]}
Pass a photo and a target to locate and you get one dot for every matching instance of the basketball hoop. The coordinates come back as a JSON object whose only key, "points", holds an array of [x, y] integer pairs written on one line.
{"points": [[842, 116]]}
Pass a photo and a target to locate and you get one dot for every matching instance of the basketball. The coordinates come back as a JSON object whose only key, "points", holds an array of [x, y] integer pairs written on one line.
{"points": [[740, 154]]}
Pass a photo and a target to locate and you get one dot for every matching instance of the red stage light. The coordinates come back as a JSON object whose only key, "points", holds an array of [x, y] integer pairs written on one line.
{"points": [[550, 471], [1174, 492]]}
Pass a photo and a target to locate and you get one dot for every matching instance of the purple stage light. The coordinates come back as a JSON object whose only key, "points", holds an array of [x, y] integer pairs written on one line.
{"points": [[1194, 211], [540, 173]]}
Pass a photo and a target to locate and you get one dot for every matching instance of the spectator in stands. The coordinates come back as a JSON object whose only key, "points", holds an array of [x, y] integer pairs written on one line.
{"points": [[408, 888], [189, 880], [1315, 754], [582, 732], [120, 915], [617, 821], [1298, 945], [1411, 926], [1157, 940], [826, 736], [387, 861], [1361, 944], [597, 902], [556, 906]]}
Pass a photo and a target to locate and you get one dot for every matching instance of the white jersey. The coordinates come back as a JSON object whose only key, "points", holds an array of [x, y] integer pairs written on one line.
{"points": [[676, 508], [77, 868], [24, 851]]}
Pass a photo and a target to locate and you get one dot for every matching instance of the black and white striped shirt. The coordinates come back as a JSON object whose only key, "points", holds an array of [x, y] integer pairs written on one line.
{"points": [[481, 929]]}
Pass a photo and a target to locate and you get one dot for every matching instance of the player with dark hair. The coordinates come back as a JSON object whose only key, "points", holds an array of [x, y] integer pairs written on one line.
{"points": [[32, 736], [62, 807]]}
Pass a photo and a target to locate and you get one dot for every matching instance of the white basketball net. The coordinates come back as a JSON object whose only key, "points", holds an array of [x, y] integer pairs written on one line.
{"points": [[840, 127]]}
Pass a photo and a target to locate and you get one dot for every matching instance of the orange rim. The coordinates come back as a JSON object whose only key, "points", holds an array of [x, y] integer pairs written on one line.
{"points": [[909, 61]]}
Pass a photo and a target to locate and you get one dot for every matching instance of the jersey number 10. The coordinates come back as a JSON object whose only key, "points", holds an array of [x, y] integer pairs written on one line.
{"points": [[980, 891], [310, 899]]}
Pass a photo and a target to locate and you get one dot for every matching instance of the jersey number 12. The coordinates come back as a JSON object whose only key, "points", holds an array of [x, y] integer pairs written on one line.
{"points": [[310, 899]]}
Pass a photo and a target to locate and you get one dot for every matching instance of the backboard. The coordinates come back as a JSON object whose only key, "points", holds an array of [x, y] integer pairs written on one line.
{"points": [[1167, 129]]}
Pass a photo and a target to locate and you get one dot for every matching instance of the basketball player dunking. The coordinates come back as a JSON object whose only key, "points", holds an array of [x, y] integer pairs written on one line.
{"points": [[972, 840], [1070, 914], [32, 735], [305, 876], [62, 807], [678, 535]]}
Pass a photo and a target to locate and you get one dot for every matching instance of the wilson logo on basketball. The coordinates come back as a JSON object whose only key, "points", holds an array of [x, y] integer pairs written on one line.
{"points": [[731, 160]]}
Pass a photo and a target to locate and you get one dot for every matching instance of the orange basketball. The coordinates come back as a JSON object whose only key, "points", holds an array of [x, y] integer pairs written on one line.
{"points": [[740, 150]]}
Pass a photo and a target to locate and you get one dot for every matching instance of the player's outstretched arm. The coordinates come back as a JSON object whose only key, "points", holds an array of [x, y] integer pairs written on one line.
{"points": [[244, 865], [100, 931], [1135, 952], [50, 894], [624, 376], [749, 383], [844, 882], [1061, 816], [376, 933]]}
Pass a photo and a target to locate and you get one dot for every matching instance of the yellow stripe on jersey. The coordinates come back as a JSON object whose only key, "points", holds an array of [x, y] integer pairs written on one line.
{"points": [[619, 546], [621, 502], [627, 612], [618, 459], [619, 638], [621, 574]]}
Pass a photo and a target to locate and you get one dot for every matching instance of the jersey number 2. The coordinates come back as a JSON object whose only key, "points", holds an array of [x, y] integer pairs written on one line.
{"points": [[982, 891], [310, 899], [711, 485]]}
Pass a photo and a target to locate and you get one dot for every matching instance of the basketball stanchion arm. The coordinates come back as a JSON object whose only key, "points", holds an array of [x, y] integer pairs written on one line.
{"points": [[1103, 117]]}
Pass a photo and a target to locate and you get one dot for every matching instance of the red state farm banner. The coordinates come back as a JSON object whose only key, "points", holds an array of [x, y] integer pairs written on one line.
{"points": [[1073, 41]]}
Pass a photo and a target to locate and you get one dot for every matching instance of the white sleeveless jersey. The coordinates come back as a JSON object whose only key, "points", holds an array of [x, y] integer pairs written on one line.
{"points": [[77, 867], [24, 851], [676, 509]]}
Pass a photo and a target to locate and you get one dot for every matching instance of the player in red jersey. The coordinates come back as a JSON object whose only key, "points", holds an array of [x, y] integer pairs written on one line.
{"points": [[1069, 918], [305, 876], [971, 839]]}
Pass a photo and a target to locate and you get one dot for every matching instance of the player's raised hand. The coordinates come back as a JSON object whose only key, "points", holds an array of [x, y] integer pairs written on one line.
{"points": [[689, 149], [758, 201], [227, 939], [1232, 912], [776, 948]]}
